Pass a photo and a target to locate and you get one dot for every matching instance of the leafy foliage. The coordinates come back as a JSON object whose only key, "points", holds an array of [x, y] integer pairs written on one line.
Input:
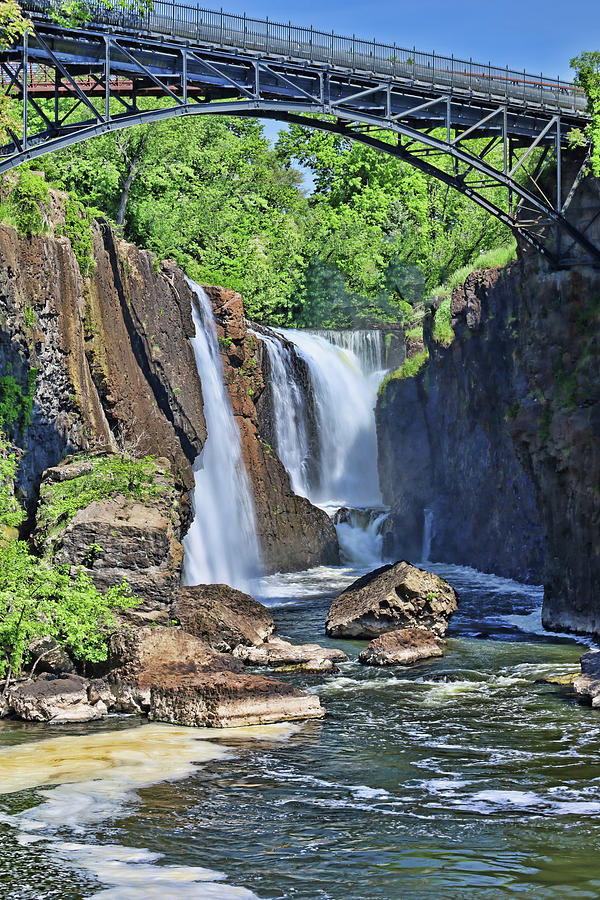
{"points": [[11, 513], [587, 74], [38, 599], [13, 24], [442, 324], [374, 236], [78, 228], [16, 404], [103, 477], [28, 197]]}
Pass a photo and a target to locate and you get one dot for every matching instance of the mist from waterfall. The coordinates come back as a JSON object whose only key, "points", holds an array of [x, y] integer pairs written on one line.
{"points": [[221, 545]]}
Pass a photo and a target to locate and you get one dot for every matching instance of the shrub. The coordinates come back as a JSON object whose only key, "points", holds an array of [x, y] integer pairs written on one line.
{"points": [[442, 324], [28, 197]]}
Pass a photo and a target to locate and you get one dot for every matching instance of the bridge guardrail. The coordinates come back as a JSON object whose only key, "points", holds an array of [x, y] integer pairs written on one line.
{"points": [[224, 30]]}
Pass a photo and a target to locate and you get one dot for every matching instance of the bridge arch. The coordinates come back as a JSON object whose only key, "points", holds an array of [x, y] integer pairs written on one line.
{"points": [[429, 113]]}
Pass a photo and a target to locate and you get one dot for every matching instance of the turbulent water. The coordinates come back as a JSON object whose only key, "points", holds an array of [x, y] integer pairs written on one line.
{"points": [[221, 544], [463, 777]]}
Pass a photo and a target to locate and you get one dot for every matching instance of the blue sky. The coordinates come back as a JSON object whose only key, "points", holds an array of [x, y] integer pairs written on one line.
{"points": [[532, 34]]}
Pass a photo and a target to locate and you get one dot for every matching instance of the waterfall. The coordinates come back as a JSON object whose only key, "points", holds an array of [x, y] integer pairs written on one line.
{"points": [[291, 426], [427, 535], [344, 392], [221, 544], [367, 346], [360, 533]]}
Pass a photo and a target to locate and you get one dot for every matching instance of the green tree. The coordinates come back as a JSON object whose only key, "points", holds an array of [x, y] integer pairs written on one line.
{"points": [[587, 74]]}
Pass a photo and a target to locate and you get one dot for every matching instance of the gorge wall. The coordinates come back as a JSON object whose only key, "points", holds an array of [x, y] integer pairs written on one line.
{"points": [[499, 435], [112, 366]]}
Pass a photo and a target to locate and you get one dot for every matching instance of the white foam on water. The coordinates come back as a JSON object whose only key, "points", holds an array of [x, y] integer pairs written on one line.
{"points": [[96, 777]]}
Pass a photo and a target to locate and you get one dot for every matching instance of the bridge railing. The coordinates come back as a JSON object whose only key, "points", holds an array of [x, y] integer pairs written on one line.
{"points": [[224, 30]]}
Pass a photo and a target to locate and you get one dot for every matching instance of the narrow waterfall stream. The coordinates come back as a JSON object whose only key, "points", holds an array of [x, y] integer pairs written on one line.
{"points": [[221, 544]]}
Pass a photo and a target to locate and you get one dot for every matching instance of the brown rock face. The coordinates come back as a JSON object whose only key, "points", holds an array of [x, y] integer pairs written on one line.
{"points": [[174, 677], [401, 648], [587, 685], [222, 616], [293, 533], [392, 597], [115, 365]]}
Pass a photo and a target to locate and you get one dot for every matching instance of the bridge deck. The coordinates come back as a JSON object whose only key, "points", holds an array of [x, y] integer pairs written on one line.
{"points": [[386, 61]]}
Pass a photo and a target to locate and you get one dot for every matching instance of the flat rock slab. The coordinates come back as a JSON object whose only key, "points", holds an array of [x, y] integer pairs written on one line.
{"points": [[277, 652], [57, 700], [401, 648], [222, 616], [175, 677], [392, 597]]}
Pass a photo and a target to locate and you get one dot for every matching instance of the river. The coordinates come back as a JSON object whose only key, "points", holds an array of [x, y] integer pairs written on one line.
{"points": [[463, 777]]}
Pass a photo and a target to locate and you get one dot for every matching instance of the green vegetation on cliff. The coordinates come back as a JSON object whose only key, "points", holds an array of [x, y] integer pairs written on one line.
{"points": [[41, 599], [408, 369], [587, 74]]}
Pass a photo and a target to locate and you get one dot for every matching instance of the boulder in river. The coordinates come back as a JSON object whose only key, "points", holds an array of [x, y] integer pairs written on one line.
{"points": [[587, 685], [392, 597], [277, 652], [222, 616], [402, 647]]}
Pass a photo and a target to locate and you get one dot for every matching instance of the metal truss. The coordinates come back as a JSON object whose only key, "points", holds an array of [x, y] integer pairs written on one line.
{"points": [[509, 156]]}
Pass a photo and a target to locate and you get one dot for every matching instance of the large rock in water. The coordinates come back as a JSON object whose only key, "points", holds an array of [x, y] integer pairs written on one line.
{"points": [[222, 616], [276, 652], [401, 648], [391, 597], [174, 677]]}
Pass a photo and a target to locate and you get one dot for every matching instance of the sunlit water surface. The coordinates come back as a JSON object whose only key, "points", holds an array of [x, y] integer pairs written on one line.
{"points": [[463, 777]]}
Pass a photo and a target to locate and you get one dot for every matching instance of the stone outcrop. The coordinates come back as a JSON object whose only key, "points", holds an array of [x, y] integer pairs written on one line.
{"points": [[445, 446], [293, 533], [174, 677], [401, 648], [499, 434], [117, 537], [392, 597], [278, 653], [58, 700], [222, 617]]}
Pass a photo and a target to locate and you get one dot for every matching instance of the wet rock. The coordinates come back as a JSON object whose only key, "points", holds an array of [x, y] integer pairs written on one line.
{"points": [[401, 648], [392, 597], [177, 678], [48, 656], [222, 616], [277, 652], [587, 685], [56, 700]]}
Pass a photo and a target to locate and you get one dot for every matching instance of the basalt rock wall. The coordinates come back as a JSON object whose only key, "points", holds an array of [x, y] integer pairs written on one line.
{"points": [[499, 435]]}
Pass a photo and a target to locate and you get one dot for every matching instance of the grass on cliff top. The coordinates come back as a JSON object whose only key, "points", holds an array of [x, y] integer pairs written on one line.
{"points": [[442, 322], [101, 478], [408, 369]]}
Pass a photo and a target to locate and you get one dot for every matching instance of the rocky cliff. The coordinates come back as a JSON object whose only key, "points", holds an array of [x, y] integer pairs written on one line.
{"points": [[108, 360], [499, 435]]}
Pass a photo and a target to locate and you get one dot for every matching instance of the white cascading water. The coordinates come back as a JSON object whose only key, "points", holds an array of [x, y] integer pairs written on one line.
{"points": [[427, 534], [346, 368], [344, 397], [221, 545]]}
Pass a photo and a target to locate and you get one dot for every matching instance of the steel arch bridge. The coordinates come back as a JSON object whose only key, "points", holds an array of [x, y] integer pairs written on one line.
{"points": [[424, 109]]}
